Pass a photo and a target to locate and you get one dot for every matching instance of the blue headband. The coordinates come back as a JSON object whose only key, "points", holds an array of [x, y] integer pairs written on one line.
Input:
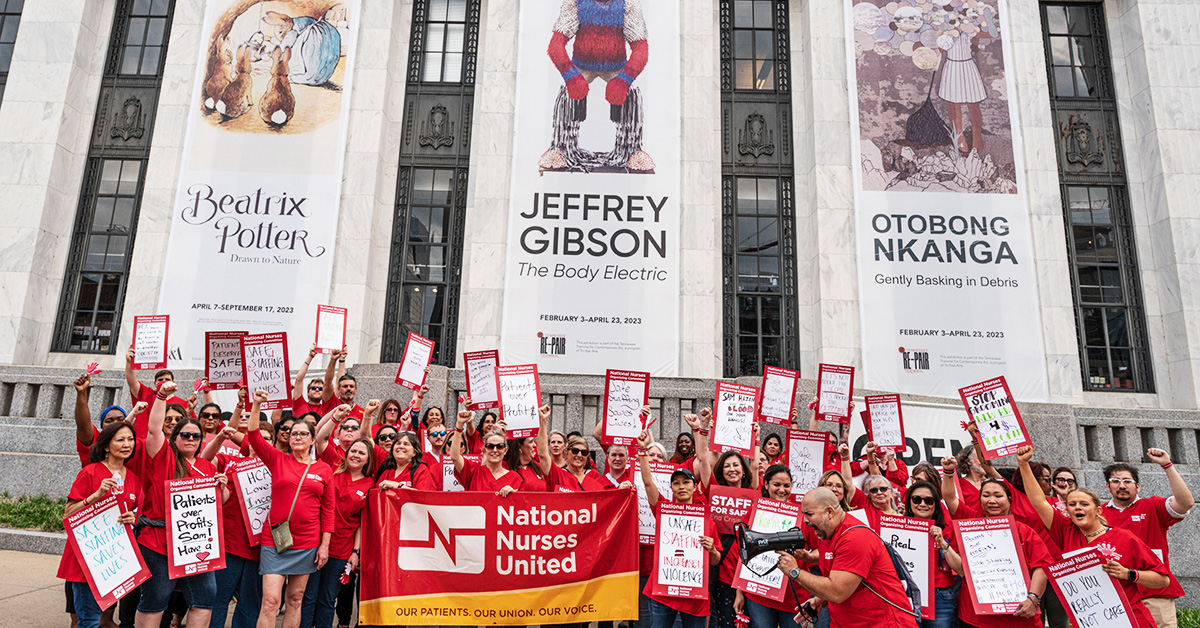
{"points": [[105, 412]]}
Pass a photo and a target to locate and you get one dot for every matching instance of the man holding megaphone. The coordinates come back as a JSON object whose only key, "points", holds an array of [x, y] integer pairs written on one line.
{"points": [[858, 577]]}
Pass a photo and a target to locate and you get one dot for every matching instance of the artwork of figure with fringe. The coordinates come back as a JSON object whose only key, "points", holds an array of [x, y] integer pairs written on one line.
{"points": [[608, 42]]}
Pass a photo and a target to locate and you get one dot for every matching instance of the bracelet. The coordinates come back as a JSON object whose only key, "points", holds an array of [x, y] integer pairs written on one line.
{"points": [[1167, 466], [1035, 596], [342, 360], [162, 396], [459, 430], [702, 432], [355, 552]]}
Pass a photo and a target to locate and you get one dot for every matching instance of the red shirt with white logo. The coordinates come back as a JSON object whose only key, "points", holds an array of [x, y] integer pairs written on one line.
{"points": [[350, 497], [1119, 545], [303, 406], [85, 450], [420, 477], [1031, 545], [88, 482], [1148, 518], [532, 482], [313, 515], [563, 481], [861, 553], [154, 473], [476, 477]]}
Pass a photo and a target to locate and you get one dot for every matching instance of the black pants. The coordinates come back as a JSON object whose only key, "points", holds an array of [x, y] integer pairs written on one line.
{"points": [[345, 600]]}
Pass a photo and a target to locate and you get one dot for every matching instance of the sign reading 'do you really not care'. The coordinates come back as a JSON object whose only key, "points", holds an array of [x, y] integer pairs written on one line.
{"points": [[681, 560], [223, 359], [265, 367], [1091, 596], [107, 551], [195, 532], [252, 481], [625, 392]]}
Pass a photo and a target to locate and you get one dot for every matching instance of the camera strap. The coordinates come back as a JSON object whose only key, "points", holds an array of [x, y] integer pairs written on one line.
{"points": [[914, 591]]}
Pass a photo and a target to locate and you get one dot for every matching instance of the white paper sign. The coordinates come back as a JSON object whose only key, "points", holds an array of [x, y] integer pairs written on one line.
{"points": [[195, 543], [835, 385], [265, 367], [768, 516], [682, 560], [520, 398], [660, 473], [105, 547], [909, 537], [885, 423], [223, 359], [778, 395], [254, 491], [150, 342], [480, 368], [733, 418], [625, 392], [331, 328], [806, 460], [1091, 596], [996, 574], [418, 351]]}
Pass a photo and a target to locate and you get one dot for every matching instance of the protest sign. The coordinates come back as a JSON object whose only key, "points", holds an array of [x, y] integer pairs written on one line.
{"points": [[884, 421], [997, 577], [265, 367], [778, 395], [150, 342], [660, 473], [331, 328], [520, 398], [449, 480], [1091, 596], [223, 359], [252, 481], [480, 369], [682, 562], [805, 459], [759, 576], [909, 536], [418, 352], [195, 539], [625, 392], [107, 551], [733, 419], [991, 407], [728, 505], [835, 386]]}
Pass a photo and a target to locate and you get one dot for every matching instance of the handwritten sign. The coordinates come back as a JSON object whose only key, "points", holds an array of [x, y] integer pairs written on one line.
{"points": [[520, 398], [682, 562], [331, 328], [806, 460], [418, 352], [835, 386], [265, 367], [223, 359], [728, 505], [449, 481], [733, 419], [759, 576], [997, 577], [252, 483], [150, 341], [909, 536], [778, 395], [625, 392], [991, 407], [480, 367], [1092, 598], [884, 422], [107, 551], [195, 543], [660, 473]]}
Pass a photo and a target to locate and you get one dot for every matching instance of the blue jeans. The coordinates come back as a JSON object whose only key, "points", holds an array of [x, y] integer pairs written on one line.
{"points": [[239, 577], [199, 590], [823, 617], [87, 611], [663, 616], [945, 607], [320, 596], [767, 617]]}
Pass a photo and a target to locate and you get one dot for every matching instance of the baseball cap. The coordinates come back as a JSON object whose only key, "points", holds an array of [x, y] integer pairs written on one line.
{"points": [[684, 472]]}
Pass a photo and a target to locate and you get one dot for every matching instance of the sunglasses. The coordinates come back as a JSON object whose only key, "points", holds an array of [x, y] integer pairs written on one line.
{"points": [[190, 435], [879, 489], [348, 428], [494, 446], [210, 415], [438, 433], [284, 429], [1122, 481], [918, 499], [1064, 481], [391, 410], [388, 436], [579, 452], [316, 388]]}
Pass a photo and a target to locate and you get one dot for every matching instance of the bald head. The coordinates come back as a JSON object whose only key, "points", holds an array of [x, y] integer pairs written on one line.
{"points": [[820, 499], [822, 511]]}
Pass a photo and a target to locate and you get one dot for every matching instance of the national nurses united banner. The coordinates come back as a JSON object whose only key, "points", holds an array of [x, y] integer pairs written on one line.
{"points": [[947, 282], [255, 213], [592, 269], [477, 559]]}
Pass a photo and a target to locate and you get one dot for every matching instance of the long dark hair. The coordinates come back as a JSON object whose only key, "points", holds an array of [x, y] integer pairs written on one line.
{"points": [[719, 470], [479, 426], [512, 458], [773, 471], [181, 466], [98, 452], [389, 463], [763, 447], [425, 417], [939, 519]]}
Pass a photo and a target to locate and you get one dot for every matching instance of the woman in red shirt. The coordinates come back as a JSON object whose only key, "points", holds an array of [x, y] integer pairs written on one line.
{"points": [[578, 475], [352, 480], [333, 450], [522, 458], [490, 476], [765, 612], [104, 475], [1130, 561], [296, 478], [558, 448], [164, 459], [474, 433], [405, 467], [772, 445], [923, 501]]}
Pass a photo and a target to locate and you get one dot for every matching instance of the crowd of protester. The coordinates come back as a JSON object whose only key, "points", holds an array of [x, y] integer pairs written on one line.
{"points": [[327, 453]]}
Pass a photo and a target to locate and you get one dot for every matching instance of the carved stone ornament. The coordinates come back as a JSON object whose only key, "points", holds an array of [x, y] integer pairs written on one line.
{"points": [[1081, 145], [437, 136], [755, 139], [130, 121]]}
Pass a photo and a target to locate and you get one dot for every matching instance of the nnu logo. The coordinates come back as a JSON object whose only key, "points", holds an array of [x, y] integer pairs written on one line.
{"points": [[442, 538]]}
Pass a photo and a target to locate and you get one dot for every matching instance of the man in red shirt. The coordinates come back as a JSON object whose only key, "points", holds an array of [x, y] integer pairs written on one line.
{"points": [[855, 560], [1148, 518], [319, 397], [141, 392]]}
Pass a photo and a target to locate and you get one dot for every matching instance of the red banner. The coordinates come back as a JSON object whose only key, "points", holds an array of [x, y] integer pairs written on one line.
{"points": [[727, 505], [478, 559]]}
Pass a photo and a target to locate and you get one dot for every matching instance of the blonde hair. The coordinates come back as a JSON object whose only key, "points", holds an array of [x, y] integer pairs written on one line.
{"points": [[1096, 501]]}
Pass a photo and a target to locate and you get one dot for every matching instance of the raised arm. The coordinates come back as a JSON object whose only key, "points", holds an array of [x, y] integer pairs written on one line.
{"points": [[252, 424], [298, 390], [83, 415], [328, 391], [325, 425], [369, 412], [813, 423], [872, 459], [457, 444], [990, 470], [843, 451], [652, 495], [213, 446], [135, 387], [545, 460], [949, 491], [704, 462], [158, 413], [1032, 489], [1181, 497]]}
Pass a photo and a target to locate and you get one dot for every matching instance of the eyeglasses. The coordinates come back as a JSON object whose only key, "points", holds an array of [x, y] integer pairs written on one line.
{"points": [[301, 435], [388, 436], [833, 485], [210, 415], [438, 433], [1122, 481], [495, 446], [579, 452], [879, 489], [191, 435], [918, 499], [1064, 481]]}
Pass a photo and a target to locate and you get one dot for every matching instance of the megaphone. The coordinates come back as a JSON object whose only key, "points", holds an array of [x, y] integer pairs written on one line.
{"points": [[751, 543]]}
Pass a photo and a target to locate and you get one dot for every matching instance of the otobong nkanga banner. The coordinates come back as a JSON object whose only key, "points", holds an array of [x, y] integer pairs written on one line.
{"points": [[479, 559]]}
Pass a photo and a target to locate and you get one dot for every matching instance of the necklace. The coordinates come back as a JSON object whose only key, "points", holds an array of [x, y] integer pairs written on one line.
{"points": [[1095, 534]]}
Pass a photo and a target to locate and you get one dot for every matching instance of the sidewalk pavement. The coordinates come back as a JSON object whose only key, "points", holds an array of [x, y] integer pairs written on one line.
{"points": [[30, 595]]}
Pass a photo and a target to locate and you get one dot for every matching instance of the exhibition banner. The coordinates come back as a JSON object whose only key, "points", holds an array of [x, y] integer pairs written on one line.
{"points": [[946, 271], [255, 212], [436, 558], [592, 265]]}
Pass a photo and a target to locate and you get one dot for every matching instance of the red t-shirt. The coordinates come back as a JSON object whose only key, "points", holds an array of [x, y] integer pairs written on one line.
{"points": [[563, 481], [860, 552], [302, 406], [1148, 518], [476, 477], [1036, 556], [611, 482], [531, 482], [154, 473], [691, 606], [350, 497], [419, 477], [87, 482], [899, 477], [313, 515], [149, 394], [1122, 546], [237, 540], [84, 450], [1022, 510]]}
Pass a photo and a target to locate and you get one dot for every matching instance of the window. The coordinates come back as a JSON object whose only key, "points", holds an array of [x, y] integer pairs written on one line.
{"points": [[758, 219], [10, 20], [93, 292], [423, 304], [1107, 294], [445, 36]]}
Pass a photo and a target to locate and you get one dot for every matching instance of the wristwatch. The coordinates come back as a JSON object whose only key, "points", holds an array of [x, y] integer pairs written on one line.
{"points": [[794, 573]]}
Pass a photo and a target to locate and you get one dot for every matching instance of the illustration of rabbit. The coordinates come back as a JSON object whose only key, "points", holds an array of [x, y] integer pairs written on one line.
{"points": [[277, 104], [236, 100], [219, 65]]}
